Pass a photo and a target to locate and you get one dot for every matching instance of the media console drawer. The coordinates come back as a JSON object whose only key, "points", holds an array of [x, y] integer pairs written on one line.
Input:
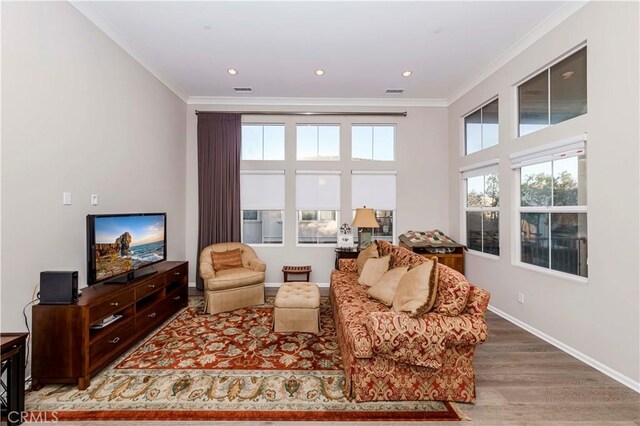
{"points": [[67, 350], [111, 306]]}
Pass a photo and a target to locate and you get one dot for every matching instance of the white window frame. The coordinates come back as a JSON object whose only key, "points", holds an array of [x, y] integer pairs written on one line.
{"points": [[263, 125], [297, 210], [546, 68], [464, 126], [372, 144], [543, 154], [282, 212], [317, 244], [478, 169]]}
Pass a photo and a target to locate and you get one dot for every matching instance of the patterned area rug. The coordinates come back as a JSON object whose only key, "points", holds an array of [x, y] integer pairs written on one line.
{"points": [[228, 366]]}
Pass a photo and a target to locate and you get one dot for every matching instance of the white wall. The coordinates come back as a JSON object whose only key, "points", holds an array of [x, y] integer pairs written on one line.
{"points": [[422, 200], [78, 115], [599, 319]]}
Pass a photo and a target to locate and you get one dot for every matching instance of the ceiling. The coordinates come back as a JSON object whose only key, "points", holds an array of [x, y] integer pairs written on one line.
{"points": [[363, 46]]}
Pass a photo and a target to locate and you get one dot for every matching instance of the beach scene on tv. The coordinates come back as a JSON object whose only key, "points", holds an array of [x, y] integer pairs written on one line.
{"points": [[125, 243]]}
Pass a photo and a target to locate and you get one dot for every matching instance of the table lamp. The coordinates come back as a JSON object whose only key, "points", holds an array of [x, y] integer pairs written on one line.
{"points": [[365, 218]]}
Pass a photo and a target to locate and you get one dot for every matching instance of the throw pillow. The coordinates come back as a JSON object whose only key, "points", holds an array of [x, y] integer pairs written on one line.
{"points": [[226, 260], [373, 270], [370, 252], [385, 289], [414, 290]]}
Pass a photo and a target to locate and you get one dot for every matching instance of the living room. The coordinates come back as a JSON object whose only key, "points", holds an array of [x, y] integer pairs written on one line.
{"points": [[112, 118]]}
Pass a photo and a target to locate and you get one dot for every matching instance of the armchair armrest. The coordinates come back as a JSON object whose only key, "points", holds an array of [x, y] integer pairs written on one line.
{"points": [[422, 341], [348, 265], [206, 270], [257, 265]]}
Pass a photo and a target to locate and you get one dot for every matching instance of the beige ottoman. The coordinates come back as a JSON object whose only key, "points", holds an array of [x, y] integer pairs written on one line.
{"points": [[297, 308]]}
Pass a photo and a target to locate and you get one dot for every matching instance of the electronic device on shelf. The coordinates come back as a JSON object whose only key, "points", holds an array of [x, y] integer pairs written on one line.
{"points": [[122, 247], [105, 322]]}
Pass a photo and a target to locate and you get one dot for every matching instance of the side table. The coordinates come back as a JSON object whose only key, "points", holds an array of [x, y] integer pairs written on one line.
{"points": [[12, 356], [345, 253]]}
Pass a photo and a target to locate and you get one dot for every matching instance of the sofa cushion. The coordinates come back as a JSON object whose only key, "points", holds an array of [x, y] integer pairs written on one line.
{"points": [[223, 260], [364, 255], [416, 290], [399, 255], [373, 270], [385, 289], [453, 292], [232, 278]]}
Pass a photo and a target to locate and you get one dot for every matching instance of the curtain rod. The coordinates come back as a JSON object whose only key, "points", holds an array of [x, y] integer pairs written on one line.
{"points": [[319, 113]]}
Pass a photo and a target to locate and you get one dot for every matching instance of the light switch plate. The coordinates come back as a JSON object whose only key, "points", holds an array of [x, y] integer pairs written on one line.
{"points": [[94, 199], [66, 198]]}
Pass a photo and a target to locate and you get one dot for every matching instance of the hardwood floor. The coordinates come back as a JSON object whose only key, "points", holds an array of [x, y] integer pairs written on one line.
{"points": [[523, 380]]}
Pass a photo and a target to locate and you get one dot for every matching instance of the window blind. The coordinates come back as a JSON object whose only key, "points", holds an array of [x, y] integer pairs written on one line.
{"points": [[479, 169], [317, 190], [376, 190], [262, 190], [562, 149]]}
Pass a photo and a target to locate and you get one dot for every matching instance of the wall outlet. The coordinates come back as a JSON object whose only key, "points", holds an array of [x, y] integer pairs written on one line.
{"points": [[520, 297]]}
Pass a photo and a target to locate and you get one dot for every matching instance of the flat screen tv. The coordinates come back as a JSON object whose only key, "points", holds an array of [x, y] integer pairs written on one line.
{"points": [[121, 247]]}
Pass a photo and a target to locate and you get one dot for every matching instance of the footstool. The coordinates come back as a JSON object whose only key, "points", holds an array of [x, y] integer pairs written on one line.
{"points": [[297, 308]]}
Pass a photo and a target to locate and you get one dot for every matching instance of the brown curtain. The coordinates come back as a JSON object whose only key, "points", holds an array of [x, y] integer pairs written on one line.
{"points": [[218, 180]]}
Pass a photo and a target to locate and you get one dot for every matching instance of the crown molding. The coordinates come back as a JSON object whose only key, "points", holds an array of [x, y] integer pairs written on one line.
{"points": [[539, 31], [356, 102], [85, 8]]}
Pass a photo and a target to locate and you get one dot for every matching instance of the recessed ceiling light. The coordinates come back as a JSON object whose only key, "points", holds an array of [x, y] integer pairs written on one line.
{"points": [[320, 72], [406, 73], [232, 71], [207, 27], [567, 75], [437, 30]]}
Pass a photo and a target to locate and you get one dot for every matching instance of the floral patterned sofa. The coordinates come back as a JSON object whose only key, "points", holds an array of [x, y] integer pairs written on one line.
{"points": [[392, 356]]}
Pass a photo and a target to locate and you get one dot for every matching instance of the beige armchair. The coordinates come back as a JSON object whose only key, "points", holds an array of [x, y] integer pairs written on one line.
{"points": [[232, 288]]}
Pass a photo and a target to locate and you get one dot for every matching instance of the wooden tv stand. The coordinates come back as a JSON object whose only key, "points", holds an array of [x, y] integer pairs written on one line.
{"points": [[67, 350]]}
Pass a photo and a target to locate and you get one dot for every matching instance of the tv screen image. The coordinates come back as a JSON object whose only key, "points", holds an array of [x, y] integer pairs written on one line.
{"points": [[125, 243]]}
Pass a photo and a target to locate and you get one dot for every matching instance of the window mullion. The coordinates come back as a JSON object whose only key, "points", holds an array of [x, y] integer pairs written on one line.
{"points": [[482, 128]]}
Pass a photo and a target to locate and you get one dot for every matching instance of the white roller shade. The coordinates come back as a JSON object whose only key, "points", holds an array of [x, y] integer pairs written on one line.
{"points": [[562, 149], [262, 190], [375, 190], [317, 191], [485, 168]]}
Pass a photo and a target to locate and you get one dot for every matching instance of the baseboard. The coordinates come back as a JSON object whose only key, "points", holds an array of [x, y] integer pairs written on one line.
{"points": [[615, 375]]}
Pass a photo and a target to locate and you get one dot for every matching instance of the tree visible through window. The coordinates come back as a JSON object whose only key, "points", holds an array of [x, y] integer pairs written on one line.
{"points": [[482, 213]]}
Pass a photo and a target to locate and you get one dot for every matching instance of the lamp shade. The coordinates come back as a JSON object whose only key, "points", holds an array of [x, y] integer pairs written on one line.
{"points": [[365, 218]]}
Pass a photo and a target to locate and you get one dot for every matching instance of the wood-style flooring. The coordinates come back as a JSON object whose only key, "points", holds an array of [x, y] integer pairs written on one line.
{"points": [[523, 380]]}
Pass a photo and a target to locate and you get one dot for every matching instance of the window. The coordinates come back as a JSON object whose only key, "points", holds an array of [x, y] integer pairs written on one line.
{"points": [[557, 94], [376, 190], [373, 142], [317, 142], [317, 207], [553, 209], [481, 128], [482, 209], [262, 205], [262, 142]]}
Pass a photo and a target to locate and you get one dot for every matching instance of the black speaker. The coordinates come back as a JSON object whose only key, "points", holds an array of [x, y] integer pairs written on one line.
{"points": [[58, 287]]}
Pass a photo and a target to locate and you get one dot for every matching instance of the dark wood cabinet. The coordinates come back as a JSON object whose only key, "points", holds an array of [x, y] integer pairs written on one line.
{"points": [[345, 253], [454, 260], [67, 349]]}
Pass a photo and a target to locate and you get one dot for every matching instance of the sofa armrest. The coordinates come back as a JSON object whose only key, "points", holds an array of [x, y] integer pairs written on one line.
{"points": [[206, 271], [422, 341], [347, 265], [478, 301], [257, 265]]}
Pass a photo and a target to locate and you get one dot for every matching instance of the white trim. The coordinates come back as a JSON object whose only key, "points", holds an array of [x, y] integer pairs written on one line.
{"points": [[483, 165], [476, 109], [192, 284], [261, 172], [548, 271], [374, 172], [608, 371], [547, 152], [318, 172], [547, 67], [552, 209], [86, 9], [542, 29], [278, 285], [339, 102]]}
